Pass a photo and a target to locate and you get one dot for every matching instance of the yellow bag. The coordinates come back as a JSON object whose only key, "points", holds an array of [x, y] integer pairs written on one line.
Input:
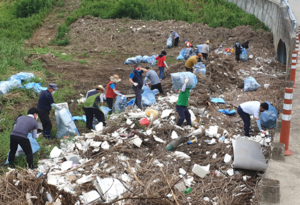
{"points": [[154, 112]]}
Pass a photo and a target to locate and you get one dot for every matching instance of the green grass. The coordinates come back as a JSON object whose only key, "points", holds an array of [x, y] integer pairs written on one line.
{"points": [[59, 54], [82, 61]]}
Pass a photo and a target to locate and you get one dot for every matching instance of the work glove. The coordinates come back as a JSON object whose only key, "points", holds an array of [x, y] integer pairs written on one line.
{"points": [[135, 84], [186, 80]]}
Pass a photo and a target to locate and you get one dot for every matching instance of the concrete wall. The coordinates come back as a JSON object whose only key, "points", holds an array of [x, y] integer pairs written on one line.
{"points": [[273, 16]]}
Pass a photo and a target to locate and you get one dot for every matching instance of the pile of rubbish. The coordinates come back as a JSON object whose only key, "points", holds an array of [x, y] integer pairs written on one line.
{"points": [[15, 81], [141, 59]]}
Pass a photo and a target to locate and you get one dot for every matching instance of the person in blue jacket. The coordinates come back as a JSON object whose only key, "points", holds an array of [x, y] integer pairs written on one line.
{"points": [[136, 79], [45, 104]]}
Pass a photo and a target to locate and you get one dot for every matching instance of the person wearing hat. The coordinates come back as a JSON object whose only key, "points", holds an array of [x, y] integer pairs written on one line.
{"points": [[92, 108], [19, 136], [251, 108], [187, 43], [162, 64], [182, 103], [188, 53], [205, 50], [44, 106], [111, 91], [136, 79], [192, 61], [175, 36], [154, 80]]}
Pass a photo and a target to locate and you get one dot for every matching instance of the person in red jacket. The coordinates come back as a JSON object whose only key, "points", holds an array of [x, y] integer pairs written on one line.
{"points": [[187, 43], [111, 91], [162, 64]]}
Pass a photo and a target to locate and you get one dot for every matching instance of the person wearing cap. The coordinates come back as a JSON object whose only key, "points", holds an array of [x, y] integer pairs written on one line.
{"points": [[136, 79], [45, 104], [175, 36], [182, 103], [111, 91], [191, 62], [154, 80], [251, 108], [162, 64], [187, 43], [205, 50], [92, 108], [19, 136], [188, 53]]}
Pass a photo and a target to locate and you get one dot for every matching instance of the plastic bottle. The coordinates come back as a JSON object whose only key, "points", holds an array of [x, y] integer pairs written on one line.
{"points": [[174, 143], [188, 190]]}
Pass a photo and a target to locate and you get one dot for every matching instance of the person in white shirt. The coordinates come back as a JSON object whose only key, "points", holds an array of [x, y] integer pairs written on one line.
{"points": [[205, 50], [251, 108]]}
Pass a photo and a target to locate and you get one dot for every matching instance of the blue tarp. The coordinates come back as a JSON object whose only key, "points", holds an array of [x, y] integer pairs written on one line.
{"points": [[227, 111], [217, 100]]}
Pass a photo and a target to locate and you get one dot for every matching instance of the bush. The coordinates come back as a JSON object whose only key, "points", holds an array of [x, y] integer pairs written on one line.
{"points": [[134, 9], [26, 8]]}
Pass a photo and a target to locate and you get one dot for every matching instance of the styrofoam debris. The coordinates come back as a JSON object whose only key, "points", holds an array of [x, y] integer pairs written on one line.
{"points": [[207, 152], [166, 113], [156, 122], [91, 197], [212, 141], [214, 156], [89, 135], [157, 139], [193, 117], [206, 199], [230, 172], [180, 186], [181, 155], [157, 163], [174, 134], [201, 171], [115, 134], [105, 145], [198, 131], [188, 181], [99, 127], [56, 152], [227, 158], [149, 132], [182, 171], [137, 115], [136, 141], [128, 122], [212, 131], [84, 179], [95, 144], [246, 177], [66, 165]]}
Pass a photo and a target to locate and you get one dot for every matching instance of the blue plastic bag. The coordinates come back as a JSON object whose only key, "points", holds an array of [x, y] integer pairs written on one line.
{"points": [[178, 80], [181, 54], [22, 76], [268, 117], [34, 146], [244, 55], [131, 102], [138, 58], [4, 87], [148, 96], [65, 123], [120, 104], [217, 100], [200, 68], [227, 111], [144, 59], [170, 42], [105, 110], [250, 84], [151, 61], [130, 61], [35, 86]]}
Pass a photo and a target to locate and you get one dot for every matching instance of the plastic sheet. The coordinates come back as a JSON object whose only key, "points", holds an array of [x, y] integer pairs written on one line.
{"points": [[244, 55], [250, 84], [130, 61], [131, 102], [65, 123], [34, 146], [35, 86], [217, 100], [105, 110], [227, 111], [120, 104], [181, 54], [268, 118], [169, 42], [22, 76], [148, 96], [178, 80]]}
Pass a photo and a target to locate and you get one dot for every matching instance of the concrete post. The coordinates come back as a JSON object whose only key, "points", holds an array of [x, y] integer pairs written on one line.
{"points": [[269, 191]]}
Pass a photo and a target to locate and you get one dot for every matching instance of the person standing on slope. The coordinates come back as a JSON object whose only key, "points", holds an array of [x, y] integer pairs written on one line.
{"points": [[162, 64]]}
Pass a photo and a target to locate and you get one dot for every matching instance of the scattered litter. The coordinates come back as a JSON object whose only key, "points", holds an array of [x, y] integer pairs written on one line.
{"points": [[201, 171]]}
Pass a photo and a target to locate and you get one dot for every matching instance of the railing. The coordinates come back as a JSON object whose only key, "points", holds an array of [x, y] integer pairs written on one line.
{"points": [[290, 13]]}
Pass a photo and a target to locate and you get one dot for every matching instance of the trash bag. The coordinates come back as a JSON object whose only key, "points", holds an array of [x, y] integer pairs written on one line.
{"points": [[138, 58], [130, 61], [200, 68], [268, 117], [178, 80], [244, 55], [151, 61], [181, 54], [65, 123], [35, 86], [227, 111], [4, 87], [148, 96], [105, 110], [144, 59], [170, 42], [250, 84], [34, 146], [22, 76], [131, 103], [120, 104]]}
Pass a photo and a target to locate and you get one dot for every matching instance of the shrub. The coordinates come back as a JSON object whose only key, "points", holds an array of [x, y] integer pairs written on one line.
{"points": [[26, 8]]}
